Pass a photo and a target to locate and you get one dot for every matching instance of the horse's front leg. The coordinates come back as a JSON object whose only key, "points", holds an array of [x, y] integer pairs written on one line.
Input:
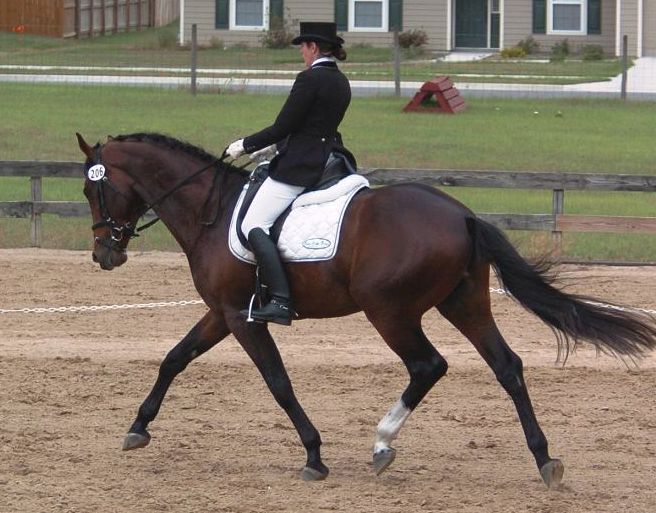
{"points": [[260, 346], [208, 332]]}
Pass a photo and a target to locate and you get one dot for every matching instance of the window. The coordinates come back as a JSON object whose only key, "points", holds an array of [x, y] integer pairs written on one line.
{"points": [[368, 15], [567, 17], [249, 14]]}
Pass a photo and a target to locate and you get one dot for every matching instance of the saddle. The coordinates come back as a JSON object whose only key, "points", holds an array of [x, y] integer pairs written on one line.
{"points": [[337, 167]]}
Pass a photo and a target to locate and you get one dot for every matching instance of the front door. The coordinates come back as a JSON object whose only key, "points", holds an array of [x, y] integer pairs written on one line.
{"points": [[477, 23], [471, 23]]}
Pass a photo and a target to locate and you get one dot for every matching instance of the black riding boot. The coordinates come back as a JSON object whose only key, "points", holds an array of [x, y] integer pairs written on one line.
{"points": [[279, 309]]}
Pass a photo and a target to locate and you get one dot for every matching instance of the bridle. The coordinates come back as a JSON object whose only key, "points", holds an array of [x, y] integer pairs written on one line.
{"points": [[117, 231], [120, 231]]}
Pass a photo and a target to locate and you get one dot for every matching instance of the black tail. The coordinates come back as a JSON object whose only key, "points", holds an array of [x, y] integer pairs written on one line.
{"points": [[572, 317]]}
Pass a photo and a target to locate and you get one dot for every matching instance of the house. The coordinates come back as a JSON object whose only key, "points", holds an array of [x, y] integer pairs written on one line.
{"points": [[450, 24]]}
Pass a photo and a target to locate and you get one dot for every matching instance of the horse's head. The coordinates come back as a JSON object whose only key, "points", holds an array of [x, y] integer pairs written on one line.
{"points": [[115, 205]]}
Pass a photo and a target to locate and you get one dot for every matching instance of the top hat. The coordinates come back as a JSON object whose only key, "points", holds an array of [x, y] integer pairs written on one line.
{"points": [[319, 32]]}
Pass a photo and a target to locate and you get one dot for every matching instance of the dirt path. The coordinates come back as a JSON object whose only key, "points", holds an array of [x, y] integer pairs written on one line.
{"points": [[70, 384]]}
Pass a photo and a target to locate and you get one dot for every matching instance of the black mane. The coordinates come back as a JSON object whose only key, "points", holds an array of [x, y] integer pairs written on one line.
{"points": [[168, 142]]}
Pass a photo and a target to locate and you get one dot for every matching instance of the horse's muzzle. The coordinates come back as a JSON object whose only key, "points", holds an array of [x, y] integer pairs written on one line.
{"points": [[108, 258]]}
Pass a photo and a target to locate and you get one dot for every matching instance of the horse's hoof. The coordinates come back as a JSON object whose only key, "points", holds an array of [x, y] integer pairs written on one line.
{"points": [[135, 441], [383, 459], [312, 474], [552, 473]]}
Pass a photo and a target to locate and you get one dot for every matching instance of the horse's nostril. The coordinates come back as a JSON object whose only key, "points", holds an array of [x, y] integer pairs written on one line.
{"points": [[94, 257]]}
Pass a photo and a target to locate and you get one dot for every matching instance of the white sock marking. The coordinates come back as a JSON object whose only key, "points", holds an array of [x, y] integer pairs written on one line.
{"points": [[390, 425]]}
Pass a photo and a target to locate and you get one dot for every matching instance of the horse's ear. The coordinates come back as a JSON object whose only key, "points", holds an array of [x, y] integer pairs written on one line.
{"points": [[86, 149]]}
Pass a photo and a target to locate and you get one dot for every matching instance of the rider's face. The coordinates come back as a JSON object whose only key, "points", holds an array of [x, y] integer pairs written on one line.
{"points": [[309, 52]]}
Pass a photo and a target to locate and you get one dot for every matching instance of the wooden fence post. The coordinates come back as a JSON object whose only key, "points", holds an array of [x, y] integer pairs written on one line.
{"points": [[103, 21], [127, 15], [625, 65], [558, 208], [139, 6], [78, 24], [194, 57], [151, 13], [35, 224], [397, 64], [91, 9]]}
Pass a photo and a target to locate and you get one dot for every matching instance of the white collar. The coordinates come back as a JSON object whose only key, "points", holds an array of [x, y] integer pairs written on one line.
{"points": [[323, 59]]}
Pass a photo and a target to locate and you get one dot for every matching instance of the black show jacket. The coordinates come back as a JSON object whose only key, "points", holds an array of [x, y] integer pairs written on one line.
{"points": [[305, 130]]}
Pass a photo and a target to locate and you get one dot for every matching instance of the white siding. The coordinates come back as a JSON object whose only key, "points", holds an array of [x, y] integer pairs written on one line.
{"points": [[629, 24], [519, 25], [649, 29], [427, 15]]}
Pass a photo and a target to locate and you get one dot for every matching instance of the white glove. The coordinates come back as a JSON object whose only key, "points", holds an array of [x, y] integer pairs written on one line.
{"points": [[236, 149], [265, 153]]}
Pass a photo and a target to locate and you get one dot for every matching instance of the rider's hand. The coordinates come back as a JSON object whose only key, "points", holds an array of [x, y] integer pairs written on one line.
{"points": [[236, 149], [265, 153]]}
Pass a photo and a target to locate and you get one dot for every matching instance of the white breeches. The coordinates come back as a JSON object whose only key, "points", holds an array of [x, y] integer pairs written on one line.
{"points": [[269, 202]]}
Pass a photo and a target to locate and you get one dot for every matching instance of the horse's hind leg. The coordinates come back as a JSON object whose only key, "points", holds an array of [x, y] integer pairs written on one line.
{"points": [[468, 308], [208, 332], [260, 346], [425, 366]]}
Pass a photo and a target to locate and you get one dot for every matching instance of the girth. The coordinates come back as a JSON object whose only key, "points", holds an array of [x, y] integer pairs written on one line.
{"points": [[337, 167]]}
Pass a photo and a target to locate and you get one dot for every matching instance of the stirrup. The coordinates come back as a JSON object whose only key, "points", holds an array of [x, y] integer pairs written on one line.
{"points": [[274, 311]]}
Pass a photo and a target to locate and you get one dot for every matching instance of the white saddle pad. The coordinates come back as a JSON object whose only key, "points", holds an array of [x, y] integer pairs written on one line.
{"points": [[311, 231]]}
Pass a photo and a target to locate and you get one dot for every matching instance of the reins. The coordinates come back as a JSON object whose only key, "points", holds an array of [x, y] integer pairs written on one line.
{"points": [[182, 183], [176, 187]]}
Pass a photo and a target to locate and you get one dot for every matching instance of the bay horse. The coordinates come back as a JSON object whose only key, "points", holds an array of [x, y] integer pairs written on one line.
{"points": [[403, 250]]}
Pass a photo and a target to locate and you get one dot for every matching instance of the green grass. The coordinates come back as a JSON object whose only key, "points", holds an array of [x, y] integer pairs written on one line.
{"points": [[157, 47], [493, 70], [40, 121], [591, 136]]}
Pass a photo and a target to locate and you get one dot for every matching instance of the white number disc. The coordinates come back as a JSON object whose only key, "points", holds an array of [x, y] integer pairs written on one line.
{"points": [[96, 172]]}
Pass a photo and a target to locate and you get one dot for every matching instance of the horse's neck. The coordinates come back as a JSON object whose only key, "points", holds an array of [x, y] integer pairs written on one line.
{"points": [[188, 209]]}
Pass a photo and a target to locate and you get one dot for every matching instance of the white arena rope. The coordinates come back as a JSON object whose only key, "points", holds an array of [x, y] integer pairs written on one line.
{"points": [[162, 304], [100, 308]]}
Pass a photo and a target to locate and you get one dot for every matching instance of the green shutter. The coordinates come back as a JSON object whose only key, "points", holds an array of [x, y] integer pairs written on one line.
{"points": [[341, 14], [276, 9], [539, 16], [222, 19], [594, 16], [396, 15]]}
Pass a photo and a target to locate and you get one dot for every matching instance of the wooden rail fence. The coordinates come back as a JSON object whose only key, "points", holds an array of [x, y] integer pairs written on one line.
{"points": [[555, 221], [85, 18]]}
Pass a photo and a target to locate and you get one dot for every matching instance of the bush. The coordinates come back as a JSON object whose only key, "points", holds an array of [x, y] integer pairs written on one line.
{"points": [[529, 45], [279, 35], [560, 50], [216, 42], [513, 52], [592, 52], [413, 38], [167, 40]]}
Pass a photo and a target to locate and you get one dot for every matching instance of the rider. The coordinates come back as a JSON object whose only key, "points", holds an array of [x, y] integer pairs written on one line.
{"points": [[304, 134]]}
